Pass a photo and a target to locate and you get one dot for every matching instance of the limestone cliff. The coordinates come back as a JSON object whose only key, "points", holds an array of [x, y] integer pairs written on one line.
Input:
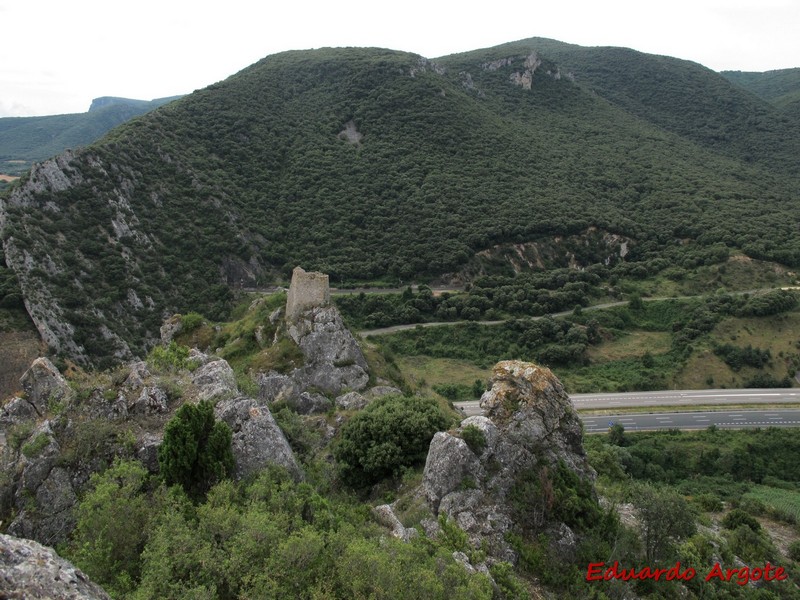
{"points": [[530, 426]]}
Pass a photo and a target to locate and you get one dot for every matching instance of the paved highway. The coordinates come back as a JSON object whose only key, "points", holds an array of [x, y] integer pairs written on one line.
{"points": [[687, 398], [726, 419]]}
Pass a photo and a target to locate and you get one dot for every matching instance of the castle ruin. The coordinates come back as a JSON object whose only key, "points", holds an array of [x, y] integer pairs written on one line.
{"points": [[307, 290]]}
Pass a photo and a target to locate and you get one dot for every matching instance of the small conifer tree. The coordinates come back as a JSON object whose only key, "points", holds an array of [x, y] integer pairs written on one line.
{"points": [[196, 451]]}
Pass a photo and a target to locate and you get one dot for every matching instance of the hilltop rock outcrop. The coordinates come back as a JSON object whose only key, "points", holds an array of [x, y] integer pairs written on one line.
{"points": [[334, 364], [530, 424], [31, 571]]}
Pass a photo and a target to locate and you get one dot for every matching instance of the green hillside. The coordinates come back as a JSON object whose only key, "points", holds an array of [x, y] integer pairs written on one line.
{"points": [[372, 164], [780, 87], [25, 140]]}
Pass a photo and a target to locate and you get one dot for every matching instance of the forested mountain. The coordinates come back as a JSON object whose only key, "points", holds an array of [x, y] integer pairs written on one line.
{"points": [[25, 140], [780, 87], [372, 164]]}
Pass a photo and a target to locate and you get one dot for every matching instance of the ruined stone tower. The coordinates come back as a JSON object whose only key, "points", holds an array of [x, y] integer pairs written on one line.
{"points": [[307, 290]]}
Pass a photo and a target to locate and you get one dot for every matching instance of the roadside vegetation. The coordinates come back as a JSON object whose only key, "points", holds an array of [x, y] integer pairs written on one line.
{"points": [[719, 340]]}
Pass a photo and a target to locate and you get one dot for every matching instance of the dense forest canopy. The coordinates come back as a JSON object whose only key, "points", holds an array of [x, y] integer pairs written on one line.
{"points": [[377, 165]]}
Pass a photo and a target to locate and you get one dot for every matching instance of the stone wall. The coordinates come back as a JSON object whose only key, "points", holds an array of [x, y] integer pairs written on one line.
{"points": [[307, 290]]}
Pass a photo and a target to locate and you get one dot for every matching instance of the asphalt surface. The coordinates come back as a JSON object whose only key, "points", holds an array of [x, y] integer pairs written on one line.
{"points": [[657, 418], [725, 419], [687, 398]]}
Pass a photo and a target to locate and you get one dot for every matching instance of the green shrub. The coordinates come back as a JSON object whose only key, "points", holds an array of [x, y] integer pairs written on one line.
{"points": [[794, 550], [173, 357], [737, 517], [35, 446], [391, 433], [190, 322], [112, 526], [474, 437], [18, 433], [708, 502], [196, 451]]}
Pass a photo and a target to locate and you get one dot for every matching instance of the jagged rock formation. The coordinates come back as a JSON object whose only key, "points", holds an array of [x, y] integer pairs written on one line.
{"points": [[334, 364], [257, 440], [529, 424], [51, 441], [29, 571]]}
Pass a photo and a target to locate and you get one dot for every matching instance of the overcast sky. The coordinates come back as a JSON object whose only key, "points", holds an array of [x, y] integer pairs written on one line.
{"points": [[57, 55]]}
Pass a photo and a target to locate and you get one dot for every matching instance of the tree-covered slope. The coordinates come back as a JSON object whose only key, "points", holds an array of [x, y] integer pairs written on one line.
{"points": [[25, 140], [676, 95], [370, 163], [780, 87]]}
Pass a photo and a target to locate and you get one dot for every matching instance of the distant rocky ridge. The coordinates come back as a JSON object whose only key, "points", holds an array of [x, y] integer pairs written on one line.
{"points": [[27, 140]]}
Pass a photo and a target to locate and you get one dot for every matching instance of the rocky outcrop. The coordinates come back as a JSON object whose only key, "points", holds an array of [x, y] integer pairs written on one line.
{"points": [[257, 442], [43, 384], [385, 515], [51, 443], [334, 364], [44, 497], [530, 423], [215, 380], [29, 570]]}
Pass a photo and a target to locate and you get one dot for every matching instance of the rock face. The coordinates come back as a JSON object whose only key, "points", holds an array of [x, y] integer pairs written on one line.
{"points": [[257, 441], [43, 384], [215, 379], [30, 570], [530, 424], [50, 443], [334, 364]]}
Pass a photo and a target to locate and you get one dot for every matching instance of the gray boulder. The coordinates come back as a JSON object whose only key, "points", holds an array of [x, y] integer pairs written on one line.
{"points": [[351, 401], [43, 384], [273, 386], [137, 375], [147, 450], [151, 401], [449, 461], [31, 571], [16, 411], [257, 440], [171, 328], [52, 519], [334, 362], [382, 390], [384, 514], [309, 403], [43, 497], [331, 379], [215, 379]]}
